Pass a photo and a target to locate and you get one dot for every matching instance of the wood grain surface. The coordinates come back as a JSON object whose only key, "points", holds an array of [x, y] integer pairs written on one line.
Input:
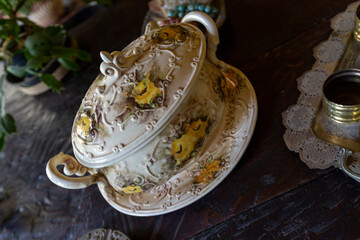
{"points": [[270, 194], [321, 209]]}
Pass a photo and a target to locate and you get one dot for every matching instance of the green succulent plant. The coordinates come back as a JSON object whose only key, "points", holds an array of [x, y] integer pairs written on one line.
{"points": [[41, 47]]}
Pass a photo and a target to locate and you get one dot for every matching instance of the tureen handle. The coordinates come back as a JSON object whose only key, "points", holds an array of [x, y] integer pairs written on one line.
{"points": [[71, 167], [211, 28]]}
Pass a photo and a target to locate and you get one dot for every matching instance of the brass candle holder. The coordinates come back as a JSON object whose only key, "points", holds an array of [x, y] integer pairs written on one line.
{"points": [[337, 119], [351, 55]]}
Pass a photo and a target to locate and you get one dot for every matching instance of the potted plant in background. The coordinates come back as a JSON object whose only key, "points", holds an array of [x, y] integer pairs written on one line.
{"points": [[32, 55]]}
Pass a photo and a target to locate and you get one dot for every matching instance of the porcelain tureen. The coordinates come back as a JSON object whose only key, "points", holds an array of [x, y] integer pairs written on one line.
{"points": [[162, 122]]}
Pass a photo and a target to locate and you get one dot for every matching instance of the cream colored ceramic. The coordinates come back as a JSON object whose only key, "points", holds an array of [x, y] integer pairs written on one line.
{"points": [[163, 124]]}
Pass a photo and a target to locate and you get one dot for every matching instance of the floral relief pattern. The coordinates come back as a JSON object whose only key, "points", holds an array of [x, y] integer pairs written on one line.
{"points": [[229, 84], [85, 124], [169, 35], [203, 139], [89, 124], [190, 175], [180, 148], [145, 92], [209, 171], [132, 88], [188, 136], [193, 136]]}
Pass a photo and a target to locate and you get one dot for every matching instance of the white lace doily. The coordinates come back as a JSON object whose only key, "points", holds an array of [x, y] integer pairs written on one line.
{"points": [[297, 118]]}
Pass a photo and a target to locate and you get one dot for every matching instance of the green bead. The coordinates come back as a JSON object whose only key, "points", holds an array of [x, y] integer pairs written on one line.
{"points": [[181, 14], [214, 10], [190, 7], [196, 7], [201, 7], [207, 9], [181, 8], [171, 13]]}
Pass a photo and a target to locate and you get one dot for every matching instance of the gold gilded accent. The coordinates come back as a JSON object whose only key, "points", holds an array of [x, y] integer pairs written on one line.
{"points": [[322, 134], [341, 113], [339, 123], [350, 57], [357, 24]]}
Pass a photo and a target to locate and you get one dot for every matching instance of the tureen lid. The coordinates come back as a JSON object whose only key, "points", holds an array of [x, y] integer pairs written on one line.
{"points": [[137, 94]]}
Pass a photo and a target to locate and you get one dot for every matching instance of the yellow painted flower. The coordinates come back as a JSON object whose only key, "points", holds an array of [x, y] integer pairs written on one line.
{"points": [[208, 173], [169, 34], [182, 147], [83, 126], [197, 128], [146, 91], [132, 189]]}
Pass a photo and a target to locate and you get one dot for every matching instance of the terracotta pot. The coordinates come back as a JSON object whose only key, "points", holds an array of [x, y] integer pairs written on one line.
{"points": [[46, 12]]}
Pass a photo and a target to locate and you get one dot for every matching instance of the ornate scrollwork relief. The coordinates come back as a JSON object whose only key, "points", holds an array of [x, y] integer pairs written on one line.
{"points": [[134, 84]]}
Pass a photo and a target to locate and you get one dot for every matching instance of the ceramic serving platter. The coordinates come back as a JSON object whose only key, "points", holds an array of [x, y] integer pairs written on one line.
{"points": [[223, 151]]}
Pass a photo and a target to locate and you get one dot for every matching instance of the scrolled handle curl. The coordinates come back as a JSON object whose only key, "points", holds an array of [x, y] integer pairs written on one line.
{"points": [[109, 70], [71, 167]]}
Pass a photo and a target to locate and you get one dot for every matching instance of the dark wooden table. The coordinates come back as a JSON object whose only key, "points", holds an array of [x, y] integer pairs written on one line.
{"points": [[270, 194]]}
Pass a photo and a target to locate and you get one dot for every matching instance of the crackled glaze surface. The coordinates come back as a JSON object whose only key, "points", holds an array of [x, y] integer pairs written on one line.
{"points": [[138, 91]]}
